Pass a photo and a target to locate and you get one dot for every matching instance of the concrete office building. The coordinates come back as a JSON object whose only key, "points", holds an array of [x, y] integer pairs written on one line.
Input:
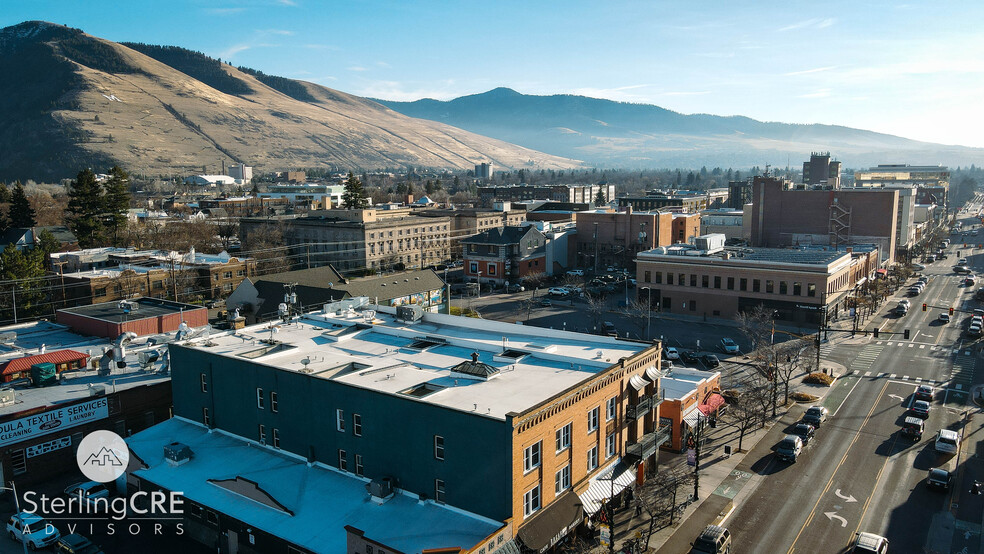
{"points": [[782, 216], [428, 410], [487, 196], [711, 281], [820, 171]]}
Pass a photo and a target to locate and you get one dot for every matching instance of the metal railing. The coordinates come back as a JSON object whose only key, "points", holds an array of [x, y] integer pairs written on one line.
{"points": [[647, 444]]}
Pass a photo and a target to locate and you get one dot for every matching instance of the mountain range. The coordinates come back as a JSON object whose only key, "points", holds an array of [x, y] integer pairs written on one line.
{"points": [[69, 100], [605, 133]]}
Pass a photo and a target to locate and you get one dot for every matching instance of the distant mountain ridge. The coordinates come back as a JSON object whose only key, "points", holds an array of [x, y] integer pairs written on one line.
{"points": [[69, 100], [620, 134]]}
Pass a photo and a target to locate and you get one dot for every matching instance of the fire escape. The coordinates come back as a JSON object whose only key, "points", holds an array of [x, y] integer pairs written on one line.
{"points": [[840, 224]]}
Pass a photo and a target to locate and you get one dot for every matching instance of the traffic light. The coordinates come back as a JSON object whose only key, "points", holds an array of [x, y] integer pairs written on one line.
{"points": [[906, 335], [924, 306], [951, 310], [876, 332]]}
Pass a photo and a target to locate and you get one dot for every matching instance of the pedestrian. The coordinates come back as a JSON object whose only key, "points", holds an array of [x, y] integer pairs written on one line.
{"points": [[628, 495], [638, 508]]}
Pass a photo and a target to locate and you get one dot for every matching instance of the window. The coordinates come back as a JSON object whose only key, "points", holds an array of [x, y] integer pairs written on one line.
{"points": [[472, 267], [359, 470], [693, 280], [682, 279], [206, 420], [704, 281], [562, 479], [669, 278], [342, 460], [717, 281], [439, 491], [531, 457], [756, 285], [659, 277], [693, 305], [100, 292], [340, 420], [563, 437], [491, 269], [648, 276], [593, 458], [731, 283], [797, 289], [227, 275], [240, 273], [276, 437], [811, 289], [610, 445], [204, 383], [274, 405], [783, 287], [593, 420], [18, 461], [261, 434], [227, 287], [357, 425], [531, 501], [438, 447], [610, 408], [259, 398], [743, 284]]}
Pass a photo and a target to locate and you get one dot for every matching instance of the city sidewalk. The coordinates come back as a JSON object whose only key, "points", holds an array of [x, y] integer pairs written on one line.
{"points": [[720, 483]]}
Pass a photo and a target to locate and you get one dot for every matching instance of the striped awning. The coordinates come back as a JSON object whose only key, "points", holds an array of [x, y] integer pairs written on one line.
{"points": [[692, 417], [653, 374], [612, 480], [637, 382]]}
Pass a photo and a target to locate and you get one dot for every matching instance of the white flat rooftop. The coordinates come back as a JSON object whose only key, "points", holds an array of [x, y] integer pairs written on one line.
{"points": [[392, 357], [316, 502], [680, 382]]}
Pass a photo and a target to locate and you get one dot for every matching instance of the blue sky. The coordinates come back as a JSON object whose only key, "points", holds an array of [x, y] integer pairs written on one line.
{"points": [[914, 69]]}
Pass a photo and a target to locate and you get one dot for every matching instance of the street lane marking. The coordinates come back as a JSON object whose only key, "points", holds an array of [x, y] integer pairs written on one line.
{"points": [[892, 376], [867, 374], [921, 346], [839, 464], [877, 479]]}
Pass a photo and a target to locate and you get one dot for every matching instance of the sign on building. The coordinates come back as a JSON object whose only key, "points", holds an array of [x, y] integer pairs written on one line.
{"points": [[44, 423]]}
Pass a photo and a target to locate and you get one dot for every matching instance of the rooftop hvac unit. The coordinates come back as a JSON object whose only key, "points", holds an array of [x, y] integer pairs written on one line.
{"points": [[8, 337], [7, 397], [97, 390], [380, 490], [410, 314], [177, 453]]}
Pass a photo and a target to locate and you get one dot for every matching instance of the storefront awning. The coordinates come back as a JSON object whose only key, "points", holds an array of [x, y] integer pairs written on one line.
{"points": [[552, 523], [712, 404], [637, 382], [692, 417], [601, 487], [653, 374]]}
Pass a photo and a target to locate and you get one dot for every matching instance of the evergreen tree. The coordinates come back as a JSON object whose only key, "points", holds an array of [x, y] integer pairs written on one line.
{"points": [[600, 198], [23, 274], [21, 213], [5, 193], [116, 201], [85, 209], [47, 244], [354, 197]]}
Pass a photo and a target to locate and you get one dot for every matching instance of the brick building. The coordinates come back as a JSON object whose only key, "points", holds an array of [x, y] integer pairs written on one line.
{"points": [[360, 240], [467, 222], [144, 316], [690, 395], [616, 237], [505, 255], [686, 227], [686, 201], [799, 283], [783, 216]]}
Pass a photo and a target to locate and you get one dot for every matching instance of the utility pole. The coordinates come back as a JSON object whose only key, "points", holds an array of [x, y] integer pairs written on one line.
{"points": [[699, 435], [596, 248]]}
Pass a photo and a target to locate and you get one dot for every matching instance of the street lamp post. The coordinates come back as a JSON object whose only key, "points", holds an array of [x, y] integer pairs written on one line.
{"points": [[447, 286], [699, 434], [479, 284]]}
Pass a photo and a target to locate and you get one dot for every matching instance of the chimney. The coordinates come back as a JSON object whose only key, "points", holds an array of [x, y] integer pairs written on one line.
{"points": [[474, 357]]}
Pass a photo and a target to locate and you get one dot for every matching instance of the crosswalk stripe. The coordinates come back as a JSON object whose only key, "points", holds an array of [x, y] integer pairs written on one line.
{"points": [[867, 374], [891, 344], [892, 376], [921, 346], [911, 345]]}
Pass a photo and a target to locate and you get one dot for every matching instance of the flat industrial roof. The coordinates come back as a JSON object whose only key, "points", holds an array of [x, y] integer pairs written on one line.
{"points": [[384, 354], [679, 382], [146, 308], [321, 500], [811, 256]]}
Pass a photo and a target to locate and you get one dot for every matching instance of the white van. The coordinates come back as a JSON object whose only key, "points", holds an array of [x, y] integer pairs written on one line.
{"points": [[947, 441]]}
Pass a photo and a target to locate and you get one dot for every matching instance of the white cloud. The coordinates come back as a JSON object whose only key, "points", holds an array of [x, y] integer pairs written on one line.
{"points": [[233, 50], [287, 2], [282, 32], [822, 93], [815, 23], [383, 64], [224, 11], [808, 71]]}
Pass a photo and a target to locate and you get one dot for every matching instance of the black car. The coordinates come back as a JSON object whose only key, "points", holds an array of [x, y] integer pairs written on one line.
{"points": [[920, 409], [76, 544], [815, 416], [689, 357], [924, 392], [939, 479], [710, 360], [804, 431]]}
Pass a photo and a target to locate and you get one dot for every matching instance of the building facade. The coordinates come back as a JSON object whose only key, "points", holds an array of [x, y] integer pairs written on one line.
{"points": [[586, 194], [607, 238], [505, 255], [820, 171]]}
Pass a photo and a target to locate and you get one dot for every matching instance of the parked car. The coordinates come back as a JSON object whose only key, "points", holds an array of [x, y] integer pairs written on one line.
{"points": [[804, 431], [32, 529], [729, 346], [710, 360], [815, 415], [947, 441], [576, 272], [930, 259], [557, 291], [970, 281], [869, 543], [714, 539], [609, 329], [87, 491], [920, 408], [939, 478], [76, 544], [672, 353], [924, 392], [789, 448], [515, 288], [918, 267], [690, 357], [913, 427], [545, 302]]}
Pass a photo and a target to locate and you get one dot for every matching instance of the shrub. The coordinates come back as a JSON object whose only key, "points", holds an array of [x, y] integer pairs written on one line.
{"points": [[803, 397], [819, 379]]}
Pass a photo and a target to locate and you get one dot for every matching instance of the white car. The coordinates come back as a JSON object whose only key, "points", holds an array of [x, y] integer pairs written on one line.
{"points": [[558, 291], [32, 529], [88, 491], [672, 353], [729, 346], [918, 267], [947, 441], [576, 272]]}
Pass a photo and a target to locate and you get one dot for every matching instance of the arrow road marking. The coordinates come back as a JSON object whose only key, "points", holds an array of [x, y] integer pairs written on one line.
{"points": [[833, 515], [897, 397], [846, 498]]}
